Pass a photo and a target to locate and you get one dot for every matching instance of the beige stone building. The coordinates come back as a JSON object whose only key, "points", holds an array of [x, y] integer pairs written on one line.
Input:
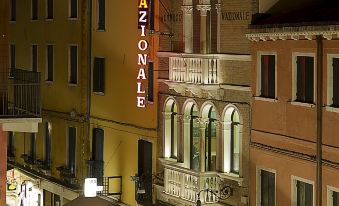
{"points": [[294, 149], [204, 102]]}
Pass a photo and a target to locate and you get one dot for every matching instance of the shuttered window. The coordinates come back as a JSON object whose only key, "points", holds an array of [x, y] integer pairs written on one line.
{"points": [[267, 188], [99, 75], [150, 93], [101, 14], [34, 9], [13, 10], [268, 76], [73, 64], [71, 148], [50, 62], [73, 8], [304, 194], [305, 79], [335, 80], [34, 58], [50, 9]]}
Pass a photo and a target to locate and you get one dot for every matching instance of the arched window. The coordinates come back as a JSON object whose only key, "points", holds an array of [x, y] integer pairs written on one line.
{"points": [[191, 137], [209, 115], [171, 129], [231, 141]]}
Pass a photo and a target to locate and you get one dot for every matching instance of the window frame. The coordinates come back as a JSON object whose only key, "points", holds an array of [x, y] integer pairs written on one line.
{"points": [[294, 78], [330, 191], [47, 63], [294, 189], [70, 10], [47, 18], [258, 84], [69, 65], [329, 100], [98, 16], [258, 183]]}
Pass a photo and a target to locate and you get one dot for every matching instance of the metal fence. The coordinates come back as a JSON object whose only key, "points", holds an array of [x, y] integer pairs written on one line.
{"points": [[20, 94]]}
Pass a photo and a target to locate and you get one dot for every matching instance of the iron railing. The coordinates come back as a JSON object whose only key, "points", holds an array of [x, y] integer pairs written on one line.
{"points": [[20, 94]]}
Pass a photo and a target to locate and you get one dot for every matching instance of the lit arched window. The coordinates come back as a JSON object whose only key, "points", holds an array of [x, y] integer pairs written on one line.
{"points": [[209, 116], [232, 141], [192, 137], [171, 129]]}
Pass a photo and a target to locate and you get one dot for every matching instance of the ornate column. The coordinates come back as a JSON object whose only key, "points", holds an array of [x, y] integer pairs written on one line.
{"points": [[218, 8], [166, 133], [180, 136], [226, 144], [203, 8], [188, 27], [202, 129]]}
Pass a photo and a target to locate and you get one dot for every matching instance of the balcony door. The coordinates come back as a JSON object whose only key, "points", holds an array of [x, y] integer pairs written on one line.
{"points": [[97, 169], [144, 185]]}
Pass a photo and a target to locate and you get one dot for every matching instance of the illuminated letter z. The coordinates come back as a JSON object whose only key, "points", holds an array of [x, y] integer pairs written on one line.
{"points": [[143, 16]]}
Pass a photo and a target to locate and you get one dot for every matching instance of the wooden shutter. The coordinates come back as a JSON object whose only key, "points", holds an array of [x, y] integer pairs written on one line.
{"points": [[264, 188], [271, 190], [308, 194], [335, 80], [309, 81], [271, 76], [71, 148], [101, 16], [264, 75], [99, 75]]}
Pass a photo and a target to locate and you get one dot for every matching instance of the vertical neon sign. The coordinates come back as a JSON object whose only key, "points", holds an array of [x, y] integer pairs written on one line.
{"points": [[142, 54]]}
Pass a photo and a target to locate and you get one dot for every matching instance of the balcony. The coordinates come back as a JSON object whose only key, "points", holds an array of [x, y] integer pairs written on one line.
{"points": [[20, 100], [184, 184], [67, 174]]}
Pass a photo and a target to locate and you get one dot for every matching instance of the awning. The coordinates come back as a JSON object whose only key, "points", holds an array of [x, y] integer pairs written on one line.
{"points": [[89, 201]]}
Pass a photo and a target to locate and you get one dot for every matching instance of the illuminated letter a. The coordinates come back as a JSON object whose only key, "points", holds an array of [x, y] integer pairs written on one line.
{"points": [[143, 4]]}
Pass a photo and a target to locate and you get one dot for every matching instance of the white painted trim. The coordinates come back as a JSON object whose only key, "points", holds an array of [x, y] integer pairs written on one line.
{"points": [[294, 75], [258, 89], [264, 99], [226, 57], [294, 189], [258, 183], [237, 88], [303, 104], [330, 77], [332, 109]]}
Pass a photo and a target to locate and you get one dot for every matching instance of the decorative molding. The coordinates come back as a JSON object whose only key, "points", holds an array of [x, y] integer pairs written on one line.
{"points": [[218, 8], [203, 8], [188, 10]]}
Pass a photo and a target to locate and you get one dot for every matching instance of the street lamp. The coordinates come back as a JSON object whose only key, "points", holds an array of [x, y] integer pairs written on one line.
{"points": [[224, 193]]}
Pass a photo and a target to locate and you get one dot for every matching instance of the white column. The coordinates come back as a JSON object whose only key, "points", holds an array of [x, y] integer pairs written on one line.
{"points": [[188, 27], [218, 8], [186, 137], [203, 8], [227, 146], [167, 134]]}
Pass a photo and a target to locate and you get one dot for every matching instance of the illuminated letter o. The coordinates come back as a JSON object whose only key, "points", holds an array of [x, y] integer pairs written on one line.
{"points": [[142, 45]]}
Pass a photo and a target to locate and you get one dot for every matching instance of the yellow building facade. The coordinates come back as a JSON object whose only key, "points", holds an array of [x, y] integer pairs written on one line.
{"points": [[87, 130]]}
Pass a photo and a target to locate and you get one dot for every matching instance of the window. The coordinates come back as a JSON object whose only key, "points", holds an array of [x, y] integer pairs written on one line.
{"points": [[192, 137], [73, 9], [99, 75], [73, 64], [266, 186], [34, 58], [304, 79], [150, 82], [267, 72], [97, 166], [33, 147], [302, 192], [171, 129], [333, 80], [47, 144], [34, 14], [210, 138], [231, 140], [49, 9], [333, 196], [50, 63], [10, 145], [101, 14], [71, 149], [13, 10], [12, 56]]}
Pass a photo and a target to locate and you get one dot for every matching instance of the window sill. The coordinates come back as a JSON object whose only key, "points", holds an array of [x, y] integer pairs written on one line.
{"points": [[265, 99], [332, 109], [12, 21], [49, 81], [72, 84], [34, 20], [303, 104], [166, 160], [99, 93], [100, 30], [72, 18], [49, 20], [231, 176]]}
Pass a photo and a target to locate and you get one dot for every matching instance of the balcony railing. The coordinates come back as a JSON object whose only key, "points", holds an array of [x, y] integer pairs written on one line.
{"points": [[20, 94], [186, 184], [194, 70]]}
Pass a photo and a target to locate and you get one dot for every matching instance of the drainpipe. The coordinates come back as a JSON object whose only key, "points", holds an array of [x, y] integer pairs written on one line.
{"points": [[319, 118], [89, 63]]}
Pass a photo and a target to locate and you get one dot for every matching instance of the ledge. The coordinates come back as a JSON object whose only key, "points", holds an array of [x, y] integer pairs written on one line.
{"points": [[303, 104], [226, 57], [332, 109], [265, 99]]}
